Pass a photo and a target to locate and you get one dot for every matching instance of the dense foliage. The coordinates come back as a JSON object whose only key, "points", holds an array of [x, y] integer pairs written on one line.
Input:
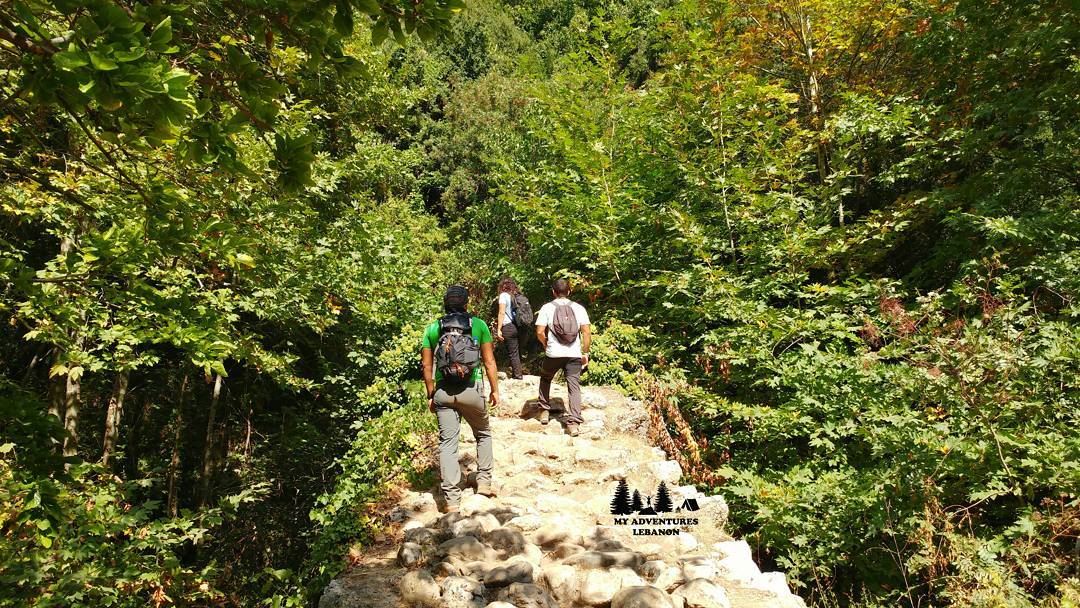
{"points": [[840, 234]]}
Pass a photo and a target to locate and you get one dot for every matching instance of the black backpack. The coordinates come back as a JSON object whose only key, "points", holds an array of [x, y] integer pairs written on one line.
{"points": [[458, 353], [523, 314]]}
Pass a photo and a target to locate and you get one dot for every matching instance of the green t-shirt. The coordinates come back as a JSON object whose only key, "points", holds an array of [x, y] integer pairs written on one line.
{"points": [[480, 332]]}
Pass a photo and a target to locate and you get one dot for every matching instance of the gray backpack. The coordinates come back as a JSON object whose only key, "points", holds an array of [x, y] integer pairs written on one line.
{"points": [[564, 324], [457, 353]]}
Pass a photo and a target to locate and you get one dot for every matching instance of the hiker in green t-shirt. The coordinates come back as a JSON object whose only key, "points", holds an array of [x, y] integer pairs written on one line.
{"points": [[452, 351]]}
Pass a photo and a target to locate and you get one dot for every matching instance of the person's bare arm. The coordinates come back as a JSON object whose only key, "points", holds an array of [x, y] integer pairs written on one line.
{"points": [[541, 335], [498, 320], [427, 361], [487, 353], [586, 342]]}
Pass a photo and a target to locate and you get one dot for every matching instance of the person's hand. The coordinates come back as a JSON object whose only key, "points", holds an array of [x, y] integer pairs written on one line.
{"points": [[431, 404], [499, 336], [494, 398], [584, 361]]}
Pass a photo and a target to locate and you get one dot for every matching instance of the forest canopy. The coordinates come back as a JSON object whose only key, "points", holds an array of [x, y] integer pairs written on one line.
{"points": [[840, 236]]}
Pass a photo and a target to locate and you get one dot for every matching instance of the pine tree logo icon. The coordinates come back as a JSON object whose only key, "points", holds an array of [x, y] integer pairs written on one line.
{"points": [[663, 503], [620, 503]]}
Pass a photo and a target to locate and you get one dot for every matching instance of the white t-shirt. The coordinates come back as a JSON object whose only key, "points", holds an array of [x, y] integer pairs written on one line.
{"points": [[507, 319], [545, 318]]}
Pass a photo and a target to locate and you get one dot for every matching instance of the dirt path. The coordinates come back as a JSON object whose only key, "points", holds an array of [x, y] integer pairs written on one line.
{"points": [[549, 539]]}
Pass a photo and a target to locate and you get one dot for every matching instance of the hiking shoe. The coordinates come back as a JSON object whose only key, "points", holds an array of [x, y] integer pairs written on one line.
{"points": [[485, 489], [572, 429], [545, 416]]}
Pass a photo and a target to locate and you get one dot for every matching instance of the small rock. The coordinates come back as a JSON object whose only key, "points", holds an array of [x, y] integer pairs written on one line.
{"points": [[410, 554], [467, 548], [554, 533], [515, 572], [500, 605], [599, 586], [475, 525], [461, 592], [445, 569], [526, 523], [613, 474], [699, 567], [412, 524], [422, 503], [670, 578], [418, 588], [533, 554], [565, 550], [593, 560], [526, 595], [641, 597], [563, 582], [476, 503], [652, 569], [507, 541], [421, 536], [702, 593]]}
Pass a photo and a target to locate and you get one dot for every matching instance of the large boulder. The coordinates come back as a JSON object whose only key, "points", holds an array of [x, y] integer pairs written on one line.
{"points": [[641, 597], [702, 593]]}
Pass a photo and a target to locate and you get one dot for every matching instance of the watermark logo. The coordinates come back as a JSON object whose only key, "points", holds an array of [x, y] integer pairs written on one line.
{"points": [[649, 514]]}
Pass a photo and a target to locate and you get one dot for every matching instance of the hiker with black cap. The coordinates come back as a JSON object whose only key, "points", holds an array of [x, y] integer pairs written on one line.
{"points": [[452, 351], [563, 329]]}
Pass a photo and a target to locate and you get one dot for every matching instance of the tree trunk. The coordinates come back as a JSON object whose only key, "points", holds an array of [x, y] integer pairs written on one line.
{"points": [[72, 398], [173, 501], [114, 414], [208, 445]]}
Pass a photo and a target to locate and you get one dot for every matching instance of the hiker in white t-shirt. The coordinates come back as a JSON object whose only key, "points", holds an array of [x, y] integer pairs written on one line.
{"points": [[563, 329]]}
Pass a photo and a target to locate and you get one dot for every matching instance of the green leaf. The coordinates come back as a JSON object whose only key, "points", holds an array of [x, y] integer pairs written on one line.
{"points": [[101, 62], [380, 32], [128, 56], [7, 447], [399, 35], [370, 7], [70, 60], [162, 34], [343, 18]]}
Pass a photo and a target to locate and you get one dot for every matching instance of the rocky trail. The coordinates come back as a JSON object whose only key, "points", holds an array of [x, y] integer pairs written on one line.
{"points": [[549, 540]]}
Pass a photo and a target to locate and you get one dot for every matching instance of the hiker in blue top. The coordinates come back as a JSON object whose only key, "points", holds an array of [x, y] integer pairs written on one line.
{"points": [[452, 351], [513, 322]]}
